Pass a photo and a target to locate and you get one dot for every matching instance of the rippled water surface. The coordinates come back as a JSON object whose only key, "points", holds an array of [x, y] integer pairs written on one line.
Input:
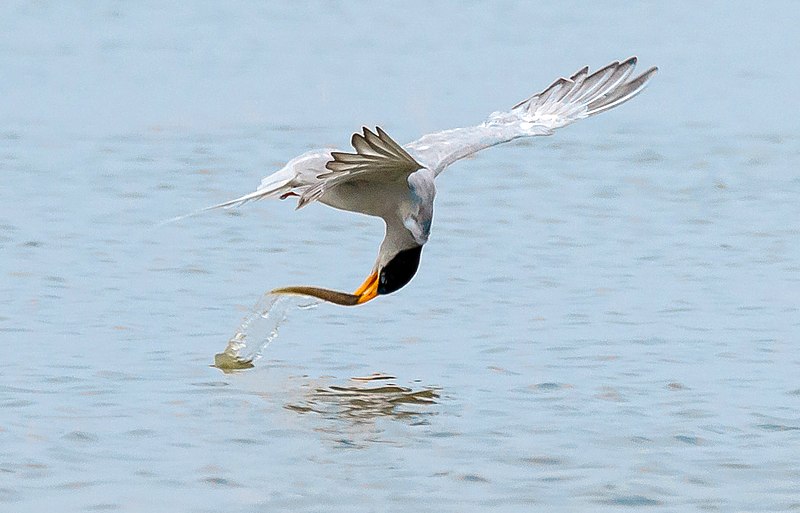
{"points": [[604, 320]]}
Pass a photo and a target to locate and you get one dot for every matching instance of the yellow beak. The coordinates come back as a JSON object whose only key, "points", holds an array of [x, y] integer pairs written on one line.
{"points": [[368, 290]]}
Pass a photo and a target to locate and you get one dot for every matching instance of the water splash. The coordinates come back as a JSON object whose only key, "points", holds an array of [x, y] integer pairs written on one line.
{"points": [[257, 330]]}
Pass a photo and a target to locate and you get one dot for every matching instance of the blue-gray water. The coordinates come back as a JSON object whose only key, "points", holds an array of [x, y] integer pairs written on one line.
{"points": [[604, 320]]}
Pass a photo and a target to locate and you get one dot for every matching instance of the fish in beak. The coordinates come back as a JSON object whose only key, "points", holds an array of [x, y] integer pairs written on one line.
{"points": [[392, 277], [366, 292]]}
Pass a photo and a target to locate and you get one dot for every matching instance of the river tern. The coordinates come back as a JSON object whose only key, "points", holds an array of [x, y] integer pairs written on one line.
{"points": [[397, 183]]}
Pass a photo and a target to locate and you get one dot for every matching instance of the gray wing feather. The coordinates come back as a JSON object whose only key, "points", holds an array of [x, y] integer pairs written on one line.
{"points": [[373, 152], [622, 93], [376, 154]]}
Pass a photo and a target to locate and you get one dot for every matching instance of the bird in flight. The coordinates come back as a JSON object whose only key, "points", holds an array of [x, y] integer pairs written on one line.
{"points": [[396, 183]]}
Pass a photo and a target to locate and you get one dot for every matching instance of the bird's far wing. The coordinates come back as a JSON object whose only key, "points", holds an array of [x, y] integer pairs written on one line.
{"points": [[377, 157], [565, 101]]}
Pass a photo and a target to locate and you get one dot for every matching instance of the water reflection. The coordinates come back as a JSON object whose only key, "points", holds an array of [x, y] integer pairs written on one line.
{"points": [[362, 402]]}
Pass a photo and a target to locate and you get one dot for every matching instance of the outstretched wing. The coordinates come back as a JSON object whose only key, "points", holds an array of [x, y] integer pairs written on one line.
{"points": [[565, 101], [377, 157]]}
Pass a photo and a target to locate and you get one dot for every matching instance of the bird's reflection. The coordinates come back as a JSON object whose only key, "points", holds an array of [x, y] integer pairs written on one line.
{"points": [[365, 400]]}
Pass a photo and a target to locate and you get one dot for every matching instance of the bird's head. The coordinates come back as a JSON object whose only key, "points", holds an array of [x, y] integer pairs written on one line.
{"points": [[387, 277]]}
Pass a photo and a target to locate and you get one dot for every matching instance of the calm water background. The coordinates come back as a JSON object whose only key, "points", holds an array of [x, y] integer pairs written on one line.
{"points": [[606, 319]]}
